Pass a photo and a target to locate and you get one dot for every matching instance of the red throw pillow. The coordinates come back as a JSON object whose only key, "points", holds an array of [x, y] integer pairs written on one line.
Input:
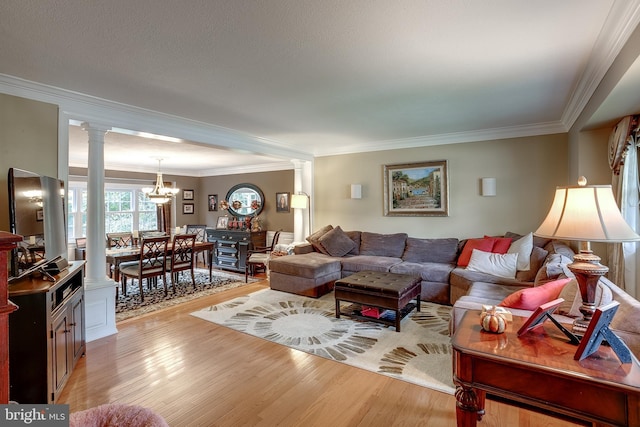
{"points": [[485, 245], [501, 245], [532, 298]]}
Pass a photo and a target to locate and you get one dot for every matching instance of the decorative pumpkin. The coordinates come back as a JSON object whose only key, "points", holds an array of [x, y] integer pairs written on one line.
{"points": [[492, 321]]}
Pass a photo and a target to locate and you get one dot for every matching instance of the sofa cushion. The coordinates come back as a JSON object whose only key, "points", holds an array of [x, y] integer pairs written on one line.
{"points": [[389, 245], [315, 237], [427, 271], [485, 244], [336, 242], [538, 256], [355, 236], [431, 250], [502, 265], [532, 298], [366, 262], [523, 247], [308, 265]]}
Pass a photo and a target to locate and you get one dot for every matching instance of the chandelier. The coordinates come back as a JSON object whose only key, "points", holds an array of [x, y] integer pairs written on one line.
{"points": [[160, 194]]}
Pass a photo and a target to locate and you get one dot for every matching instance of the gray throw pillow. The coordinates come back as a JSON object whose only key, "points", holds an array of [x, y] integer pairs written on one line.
{"points": [[336, 242], [313, 239]]}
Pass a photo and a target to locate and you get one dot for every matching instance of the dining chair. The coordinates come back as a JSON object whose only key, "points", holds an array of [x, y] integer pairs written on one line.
{"points": [[150, 266], [182, 258], [119, 240], [201, 236], [259, 257]]}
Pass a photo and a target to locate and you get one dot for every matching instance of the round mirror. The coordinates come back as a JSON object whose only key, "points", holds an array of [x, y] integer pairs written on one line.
{"points": [[244, 200]]}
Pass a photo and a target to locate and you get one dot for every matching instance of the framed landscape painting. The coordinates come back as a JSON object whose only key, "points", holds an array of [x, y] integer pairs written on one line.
{"points": [[416, 189]]}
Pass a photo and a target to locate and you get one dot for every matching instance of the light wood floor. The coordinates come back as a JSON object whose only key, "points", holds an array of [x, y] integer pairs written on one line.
{"points": [[196, 373]]}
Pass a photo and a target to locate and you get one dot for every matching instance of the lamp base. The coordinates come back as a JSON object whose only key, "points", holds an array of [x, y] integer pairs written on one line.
{"points": [[588, 270]]}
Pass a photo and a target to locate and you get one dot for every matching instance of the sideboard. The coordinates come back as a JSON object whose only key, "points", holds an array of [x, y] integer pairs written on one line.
{"points": [[230, 247], [46, 334]]}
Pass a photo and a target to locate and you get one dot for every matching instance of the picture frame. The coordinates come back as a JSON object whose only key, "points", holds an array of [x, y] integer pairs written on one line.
{"points": [[187, 194], [283, 202], [223, 223], [212, 202], [416, 189], [188, 208], [599, 331], [40, 215]]}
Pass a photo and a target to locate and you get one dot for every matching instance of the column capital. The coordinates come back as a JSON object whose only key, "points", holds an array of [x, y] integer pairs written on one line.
{"points": [[95, 126]]}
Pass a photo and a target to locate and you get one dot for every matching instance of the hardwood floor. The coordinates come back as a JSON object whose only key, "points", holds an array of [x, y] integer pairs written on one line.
{"points": [[196, 373]]}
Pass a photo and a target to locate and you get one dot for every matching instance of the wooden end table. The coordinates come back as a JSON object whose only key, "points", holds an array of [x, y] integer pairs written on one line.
{"points": [[537, 371]]}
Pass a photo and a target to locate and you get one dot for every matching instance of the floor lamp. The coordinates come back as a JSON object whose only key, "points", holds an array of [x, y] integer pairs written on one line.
{"points": [[586, 213], [302, 201]]}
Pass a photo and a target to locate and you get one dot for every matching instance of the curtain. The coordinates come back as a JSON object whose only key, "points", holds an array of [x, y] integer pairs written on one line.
{"points": [[164, 217], [624, 166]]}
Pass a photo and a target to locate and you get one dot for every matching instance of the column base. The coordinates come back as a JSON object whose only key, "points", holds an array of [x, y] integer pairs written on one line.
{"points": [[100, 308]]}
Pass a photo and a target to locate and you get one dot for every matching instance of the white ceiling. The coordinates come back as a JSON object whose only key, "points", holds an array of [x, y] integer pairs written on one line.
{"points": [[324, 77]]}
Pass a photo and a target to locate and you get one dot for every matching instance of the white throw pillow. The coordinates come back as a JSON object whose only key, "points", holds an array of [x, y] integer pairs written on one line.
{"points": [[523, 247], [502, 265]]}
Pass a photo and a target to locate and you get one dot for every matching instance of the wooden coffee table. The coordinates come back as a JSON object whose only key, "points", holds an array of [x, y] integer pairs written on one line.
{"points": [[387, 291], [537, 371]]}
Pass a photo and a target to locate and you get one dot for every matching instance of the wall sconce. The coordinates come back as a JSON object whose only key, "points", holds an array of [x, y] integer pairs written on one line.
{"points": [[356, 191], [488, 187]]}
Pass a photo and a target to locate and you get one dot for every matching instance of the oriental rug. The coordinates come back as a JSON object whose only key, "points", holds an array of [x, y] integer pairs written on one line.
{"points": [[154, 299], [420, 354]]}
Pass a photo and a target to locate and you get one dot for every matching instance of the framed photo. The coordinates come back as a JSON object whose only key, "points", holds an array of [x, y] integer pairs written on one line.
{"points": [[282, 202], [187, 208], [223, 222], [40, 215], [212, 202], [416, 189], [187, 194]]}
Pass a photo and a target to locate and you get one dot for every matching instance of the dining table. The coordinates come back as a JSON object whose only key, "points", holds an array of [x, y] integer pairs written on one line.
{"points": [[116, 256]]}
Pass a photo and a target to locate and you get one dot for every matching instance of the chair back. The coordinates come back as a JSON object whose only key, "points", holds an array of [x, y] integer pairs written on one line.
{"points": [[274, 241], [199, 230], [153, 256], [182, 252], [119, 240]]}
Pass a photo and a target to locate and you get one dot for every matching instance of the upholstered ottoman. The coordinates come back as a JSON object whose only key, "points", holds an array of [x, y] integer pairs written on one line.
{"points": [[389, 291], [311, 275]]}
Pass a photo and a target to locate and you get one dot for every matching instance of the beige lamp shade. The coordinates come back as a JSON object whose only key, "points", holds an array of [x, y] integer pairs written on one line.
{"points": [[299, 201], [586, 213]]}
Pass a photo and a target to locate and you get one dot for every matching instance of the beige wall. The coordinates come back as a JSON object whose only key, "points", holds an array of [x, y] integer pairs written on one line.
{"points": [[527, 171], [269, 182], [28, 140]]}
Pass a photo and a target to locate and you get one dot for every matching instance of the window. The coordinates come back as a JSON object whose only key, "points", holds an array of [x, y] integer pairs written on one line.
{"points": [[126, 209]]}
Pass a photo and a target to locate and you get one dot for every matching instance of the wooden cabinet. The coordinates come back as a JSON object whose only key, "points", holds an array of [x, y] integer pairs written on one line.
{"points": [[46, 334], [230, 247]]}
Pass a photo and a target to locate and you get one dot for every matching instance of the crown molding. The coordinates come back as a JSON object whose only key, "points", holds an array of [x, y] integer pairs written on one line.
{"points": [[90, 109], [452, 138], [622, 20]]}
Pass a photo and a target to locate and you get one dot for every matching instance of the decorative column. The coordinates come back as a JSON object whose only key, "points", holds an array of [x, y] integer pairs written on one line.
{"points": [[99, 289], [8, 241], [302, 183]]}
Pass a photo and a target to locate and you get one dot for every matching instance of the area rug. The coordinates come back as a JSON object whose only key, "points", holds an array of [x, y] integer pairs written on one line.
{"points": [[420, 353], [154, 299]]}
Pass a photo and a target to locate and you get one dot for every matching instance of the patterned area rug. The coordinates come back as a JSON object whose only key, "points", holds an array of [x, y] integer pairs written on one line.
{"points": [[420, 354], [130, 305]]}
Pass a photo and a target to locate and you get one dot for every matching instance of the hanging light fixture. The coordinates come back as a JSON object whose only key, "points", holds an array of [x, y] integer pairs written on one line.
{"points": [[160, 194]]}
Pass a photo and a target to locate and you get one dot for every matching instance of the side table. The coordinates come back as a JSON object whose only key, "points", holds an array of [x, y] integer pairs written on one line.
{"points": [[537, 371]]}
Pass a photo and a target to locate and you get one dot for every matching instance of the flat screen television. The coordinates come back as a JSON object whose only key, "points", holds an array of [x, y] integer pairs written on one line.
{"points": [[37, 213]]}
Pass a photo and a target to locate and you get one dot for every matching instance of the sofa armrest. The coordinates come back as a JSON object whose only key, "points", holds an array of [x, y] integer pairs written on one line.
{"points": [[304, 248]]}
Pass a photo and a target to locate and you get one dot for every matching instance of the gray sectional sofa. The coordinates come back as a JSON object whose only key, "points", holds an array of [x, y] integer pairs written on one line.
{"points": [[332, 254]]}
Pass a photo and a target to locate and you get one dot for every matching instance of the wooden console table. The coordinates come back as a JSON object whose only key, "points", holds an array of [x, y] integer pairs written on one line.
{"points": [[537, 371]]}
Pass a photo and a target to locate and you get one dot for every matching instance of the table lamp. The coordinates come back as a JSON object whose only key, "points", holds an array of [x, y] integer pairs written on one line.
{"points": [[586, 213]]}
